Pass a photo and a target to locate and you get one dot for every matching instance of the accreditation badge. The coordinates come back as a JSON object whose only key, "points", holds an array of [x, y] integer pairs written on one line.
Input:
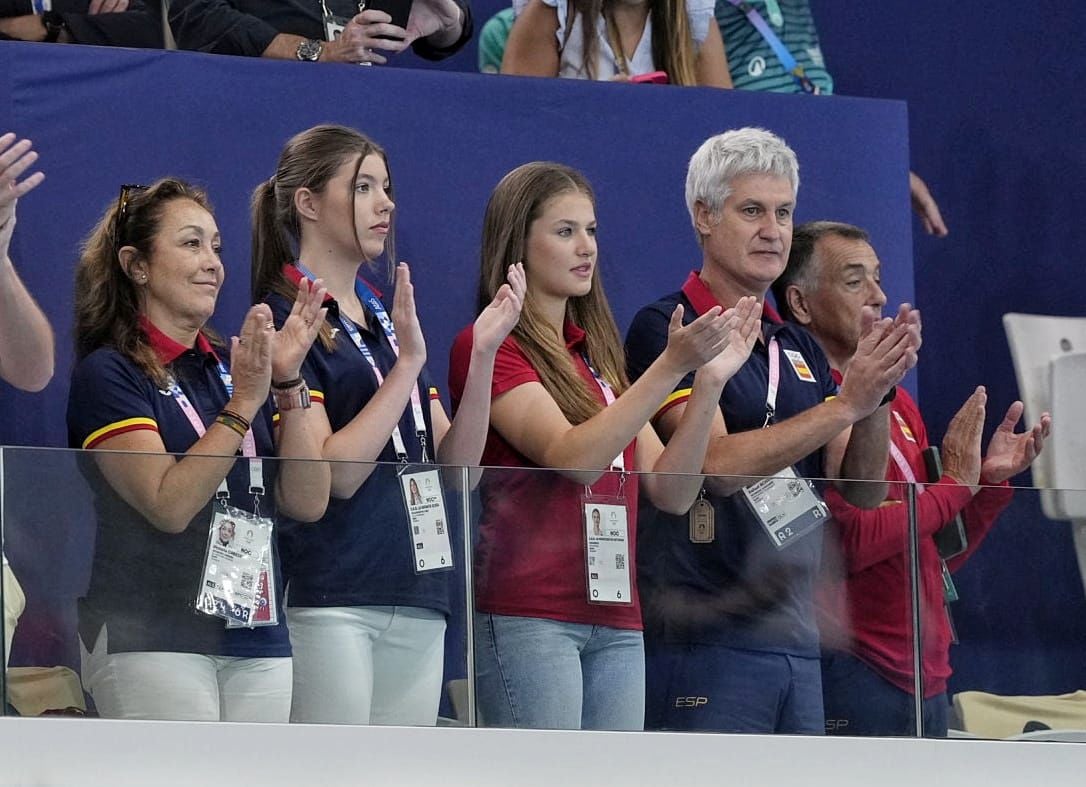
{"points": [[786, 506], [426, 516], [266, 611], [333, 25], [607, 549], [238, 550]]}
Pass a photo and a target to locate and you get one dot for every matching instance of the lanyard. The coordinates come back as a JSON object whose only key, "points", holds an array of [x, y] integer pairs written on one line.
{"points": [[619, 462], [327, 12], [774, 380], [903, 465], [775, 43], [248, 443], [367, 296]]}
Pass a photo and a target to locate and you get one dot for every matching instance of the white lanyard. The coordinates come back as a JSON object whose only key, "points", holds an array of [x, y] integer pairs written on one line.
{"points": [[366, 296], [774, 381], [619, 462], [248, 443]]}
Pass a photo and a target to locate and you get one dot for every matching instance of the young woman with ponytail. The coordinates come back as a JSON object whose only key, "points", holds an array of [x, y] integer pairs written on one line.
{"points": [[367, 612]]}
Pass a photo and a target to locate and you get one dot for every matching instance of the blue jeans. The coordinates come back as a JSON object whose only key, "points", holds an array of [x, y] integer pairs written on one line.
{"points": [[719, 689], [859, 701], [546, 674]]}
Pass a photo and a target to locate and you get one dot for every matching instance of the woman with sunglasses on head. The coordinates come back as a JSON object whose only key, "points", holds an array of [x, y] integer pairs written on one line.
{"points": [[369, 585], [558, 621], [176, 625]]}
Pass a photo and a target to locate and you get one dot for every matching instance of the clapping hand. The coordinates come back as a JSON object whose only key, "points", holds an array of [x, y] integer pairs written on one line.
{"points": [[15, 159], [1010, 452], [502, 313], [291, 342]]}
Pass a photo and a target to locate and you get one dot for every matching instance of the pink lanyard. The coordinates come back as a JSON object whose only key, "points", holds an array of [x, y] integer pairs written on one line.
{"points": [[903, 465], [248, 443], [619, 462]]}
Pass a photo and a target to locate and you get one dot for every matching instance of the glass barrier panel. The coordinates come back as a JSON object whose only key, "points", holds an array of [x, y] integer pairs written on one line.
{"points": [[232, 604], [1018, 667], [637, 602]]}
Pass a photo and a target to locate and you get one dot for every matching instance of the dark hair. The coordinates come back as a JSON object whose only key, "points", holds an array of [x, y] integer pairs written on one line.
{"points": [[517, 201], [799, 271], [309, 160], [106, 300]]}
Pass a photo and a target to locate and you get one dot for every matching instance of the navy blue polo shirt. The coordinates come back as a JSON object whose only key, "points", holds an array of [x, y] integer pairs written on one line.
{"points": [[739, 590], [361, 552], [144, 582]]}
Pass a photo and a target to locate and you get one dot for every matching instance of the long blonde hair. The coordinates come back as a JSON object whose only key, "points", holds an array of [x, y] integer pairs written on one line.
{"points": [[517, 201]]}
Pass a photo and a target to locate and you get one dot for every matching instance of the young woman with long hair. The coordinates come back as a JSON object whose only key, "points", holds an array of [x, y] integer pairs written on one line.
{"points": [[558, 621]]}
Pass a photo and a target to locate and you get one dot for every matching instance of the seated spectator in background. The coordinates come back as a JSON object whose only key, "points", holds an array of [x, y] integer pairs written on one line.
{"points": [[100, 22], [493, 37], [865, 618], [297, 29], [26, 340], [774, 47], [621, 40], [729, 610]]}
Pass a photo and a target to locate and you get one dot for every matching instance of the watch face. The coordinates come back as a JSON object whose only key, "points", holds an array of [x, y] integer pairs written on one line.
{"points": [[309, 50]]}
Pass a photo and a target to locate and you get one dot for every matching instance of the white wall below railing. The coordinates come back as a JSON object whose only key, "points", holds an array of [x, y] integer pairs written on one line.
{"points": [[91, 752]]}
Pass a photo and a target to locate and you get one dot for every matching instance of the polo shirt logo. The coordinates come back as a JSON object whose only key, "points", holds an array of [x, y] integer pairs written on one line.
{"points": [[905, 430], [799, 366]]}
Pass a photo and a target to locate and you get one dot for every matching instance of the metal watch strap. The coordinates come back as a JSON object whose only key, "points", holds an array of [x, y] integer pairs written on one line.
{"points": [[309, 50]]}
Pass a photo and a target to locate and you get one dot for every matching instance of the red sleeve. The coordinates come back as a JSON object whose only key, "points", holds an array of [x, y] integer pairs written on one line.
{"points": [[511, 367], [979, 517], [872, 535]]}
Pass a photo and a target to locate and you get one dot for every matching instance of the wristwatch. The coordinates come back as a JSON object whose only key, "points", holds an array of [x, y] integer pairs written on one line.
{"points": [[54, 26], [310, 50]]}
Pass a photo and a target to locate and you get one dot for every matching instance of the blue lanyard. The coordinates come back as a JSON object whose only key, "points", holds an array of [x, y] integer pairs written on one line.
{"points": [[367, 297], [775, 43]]}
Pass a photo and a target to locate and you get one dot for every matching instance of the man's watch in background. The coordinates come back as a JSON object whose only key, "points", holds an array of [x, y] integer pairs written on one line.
{"points": [[310, 50], [54, 26]]}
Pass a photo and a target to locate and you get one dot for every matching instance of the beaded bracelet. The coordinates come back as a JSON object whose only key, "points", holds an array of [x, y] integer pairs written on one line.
{"points": [[232, 420]]}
